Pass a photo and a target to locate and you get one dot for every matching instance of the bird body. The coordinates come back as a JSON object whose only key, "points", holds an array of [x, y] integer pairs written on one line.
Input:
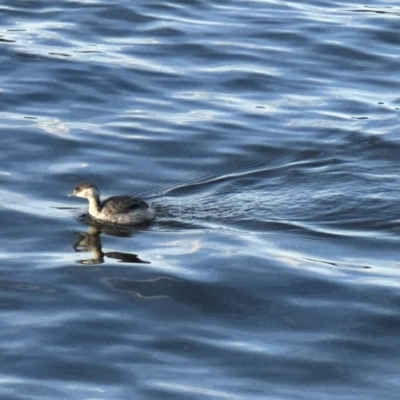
{"points": [[124, 210]]}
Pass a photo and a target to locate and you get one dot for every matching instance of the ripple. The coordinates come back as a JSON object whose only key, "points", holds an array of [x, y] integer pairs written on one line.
{"points": [[265, 134]]}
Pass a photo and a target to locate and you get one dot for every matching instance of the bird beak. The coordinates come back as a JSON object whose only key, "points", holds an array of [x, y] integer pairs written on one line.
{"points": [[70, 195]]}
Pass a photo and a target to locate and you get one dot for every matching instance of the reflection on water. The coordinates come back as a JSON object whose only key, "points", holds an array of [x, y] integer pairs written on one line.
{"points": [[90, 241]]}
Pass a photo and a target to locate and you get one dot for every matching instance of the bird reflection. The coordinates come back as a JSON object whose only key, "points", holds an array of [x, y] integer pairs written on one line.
{"points": [[90, 241]]}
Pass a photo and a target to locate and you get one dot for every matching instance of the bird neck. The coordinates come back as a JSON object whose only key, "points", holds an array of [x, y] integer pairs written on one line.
{"points": [[94, 205]]}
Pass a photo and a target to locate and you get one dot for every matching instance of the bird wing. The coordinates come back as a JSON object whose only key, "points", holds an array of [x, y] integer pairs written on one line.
{"points": [[123, 204]]}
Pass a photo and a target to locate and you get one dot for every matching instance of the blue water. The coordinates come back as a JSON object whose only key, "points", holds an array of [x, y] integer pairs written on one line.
{"points": [[266, 136]]}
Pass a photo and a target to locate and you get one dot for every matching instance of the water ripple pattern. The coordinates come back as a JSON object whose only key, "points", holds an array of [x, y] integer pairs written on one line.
{"points": [[266, 136]]}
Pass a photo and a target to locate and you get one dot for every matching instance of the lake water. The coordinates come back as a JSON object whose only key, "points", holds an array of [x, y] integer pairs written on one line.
{"points": [[266, 136]]}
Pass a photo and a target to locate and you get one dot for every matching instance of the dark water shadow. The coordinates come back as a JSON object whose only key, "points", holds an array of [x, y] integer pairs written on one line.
{"points": [[90, 241]]}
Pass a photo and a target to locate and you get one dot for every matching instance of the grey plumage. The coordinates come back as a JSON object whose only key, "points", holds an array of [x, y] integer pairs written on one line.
{"points": [[125, 210]]}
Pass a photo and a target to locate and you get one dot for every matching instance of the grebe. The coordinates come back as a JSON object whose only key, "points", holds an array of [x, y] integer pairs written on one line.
{"points": [[125, 210]]}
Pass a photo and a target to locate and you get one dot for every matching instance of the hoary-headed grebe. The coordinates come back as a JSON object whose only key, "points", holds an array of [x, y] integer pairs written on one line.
{"points": [[126, 210]]}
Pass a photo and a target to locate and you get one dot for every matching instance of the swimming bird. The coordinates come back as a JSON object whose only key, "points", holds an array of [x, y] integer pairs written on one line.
{"points": [[124, 210]]}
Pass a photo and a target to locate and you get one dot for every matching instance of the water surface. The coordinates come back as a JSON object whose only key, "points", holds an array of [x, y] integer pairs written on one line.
{"points": [[265, 134]]}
